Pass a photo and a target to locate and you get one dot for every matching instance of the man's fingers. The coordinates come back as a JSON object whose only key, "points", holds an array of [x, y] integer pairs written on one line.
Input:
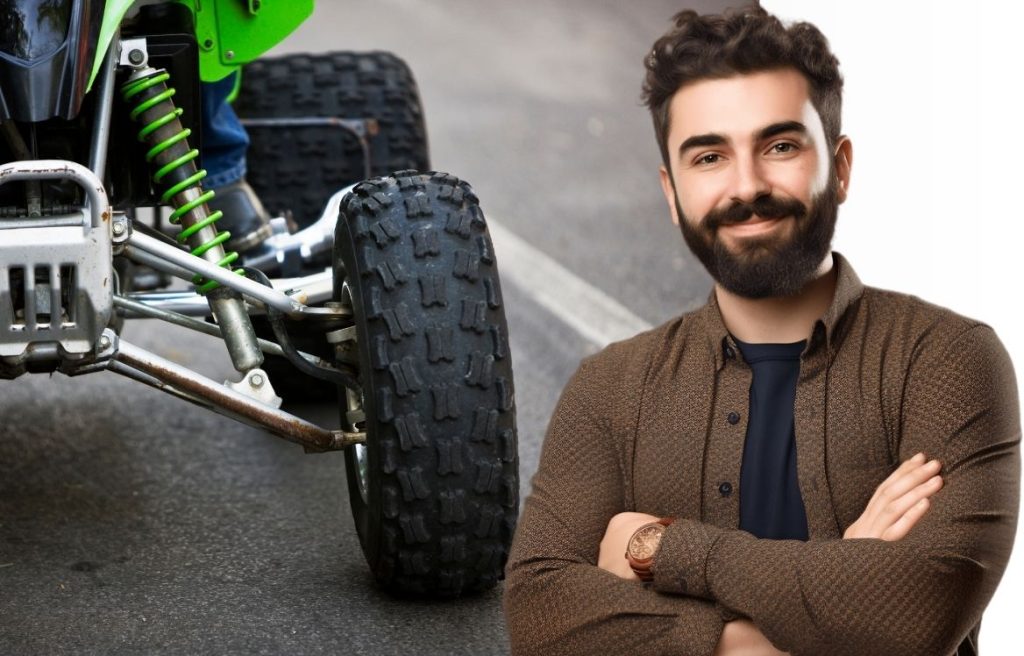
{"points": [[897, 485], [900, 501], [910, 463], [902, 526], [894, 509], [901, 481], [906, 466], [898, 507]]}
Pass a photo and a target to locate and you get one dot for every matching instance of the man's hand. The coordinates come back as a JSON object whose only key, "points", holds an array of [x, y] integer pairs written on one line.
{"points": [[743, 638], [612, 554], [899, 502]]}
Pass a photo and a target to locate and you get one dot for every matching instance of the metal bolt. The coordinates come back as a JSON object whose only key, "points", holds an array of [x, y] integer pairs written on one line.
{"points": [[136, 57], [230, 54], [208, 44], [104, 342], [256, 380], [118, 229]]}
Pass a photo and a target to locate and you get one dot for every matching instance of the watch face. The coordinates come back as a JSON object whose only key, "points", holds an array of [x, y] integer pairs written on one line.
{"points": [[645, 542]]}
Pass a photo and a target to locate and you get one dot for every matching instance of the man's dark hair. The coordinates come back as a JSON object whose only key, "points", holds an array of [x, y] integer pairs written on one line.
{"points": [[740, 41]]}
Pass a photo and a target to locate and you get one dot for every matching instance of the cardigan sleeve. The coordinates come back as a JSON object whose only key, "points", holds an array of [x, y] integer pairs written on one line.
{"points": [[919, 595], [557, 601]]}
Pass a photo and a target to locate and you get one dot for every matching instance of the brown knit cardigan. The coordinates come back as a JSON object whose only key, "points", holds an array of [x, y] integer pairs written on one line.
{"points": [[645, 426]]}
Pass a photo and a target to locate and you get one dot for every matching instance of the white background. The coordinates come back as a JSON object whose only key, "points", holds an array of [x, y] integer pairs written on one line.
{"points": [[932, 102]]}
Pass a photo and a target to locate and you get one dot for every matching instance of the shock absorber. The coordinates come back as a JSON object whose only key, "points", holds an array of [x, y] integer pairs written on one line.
{"points": [[152, 105]]}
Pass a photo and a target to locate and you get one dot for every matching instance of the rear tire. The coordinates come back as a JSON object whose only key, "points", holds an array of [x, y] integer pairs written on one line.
{"points": [[295, 170], [436, 502]]}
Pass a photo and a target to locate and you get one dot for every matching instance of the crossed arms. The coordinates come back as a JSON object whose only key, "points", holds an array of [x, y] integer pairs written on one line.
{"points": [[897, 505], [917, 595]]}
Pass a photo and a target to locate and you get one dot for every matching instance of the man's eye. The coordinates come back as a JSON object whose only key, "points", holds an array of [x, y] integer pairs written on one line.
{"points": [[783, 147], [710, 158]]}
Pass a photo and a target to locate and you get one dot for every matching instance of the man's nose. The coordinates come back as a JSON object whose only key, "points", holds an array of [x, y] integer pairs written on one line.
{"points": [[749, 182]]}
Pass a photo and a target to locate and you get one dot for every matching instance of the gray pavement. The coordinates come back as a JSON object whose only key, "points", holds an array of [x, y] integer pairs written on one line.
{"points": [[131, 522]]}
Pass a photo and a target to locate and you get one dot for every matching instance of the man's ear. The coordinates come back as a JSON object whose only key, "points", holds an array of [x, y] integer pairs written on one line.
{"points": [[670, 193], [843, 163]]}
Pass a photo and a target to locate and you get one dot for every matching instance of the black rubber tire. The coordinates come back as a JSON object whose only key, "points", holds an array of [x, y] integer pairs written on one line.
{"points": [[297, 169], [441, 451]]}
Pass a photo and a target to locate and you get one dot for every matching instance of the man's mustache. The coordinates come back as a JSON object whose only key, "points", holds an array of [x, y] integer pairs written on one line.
{"points": [[766, 207]]}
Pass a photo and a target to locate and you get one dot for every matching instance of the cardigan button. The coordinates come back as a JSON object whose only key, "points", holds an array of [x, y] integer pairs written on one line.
{"points": [[733, 418], [729, 352], [725, 489]]}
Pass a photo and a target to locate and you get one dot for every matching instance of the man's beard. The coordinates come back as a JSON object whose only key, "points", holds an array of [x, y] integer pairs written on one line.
{"points": [[771, 266]]}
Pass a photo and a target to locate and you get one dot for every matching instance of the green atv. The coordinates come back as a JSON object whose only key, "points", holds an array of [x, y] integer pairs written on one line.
{"points": [[377, 288]]}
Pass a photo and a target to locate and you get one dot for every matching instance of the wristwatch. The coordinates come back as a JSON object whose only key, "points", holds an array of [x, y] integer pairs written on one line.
{"points": [[643, 545]]}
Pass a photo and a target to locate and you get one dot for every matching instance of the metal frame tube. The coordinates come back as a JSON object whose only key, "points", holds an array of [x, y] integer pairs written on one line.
{"points": [[250, 288], [224, 400], [138, 376], [142, 257], [311, 241], [62, 221], [315, 288], [187, 303], [136, 309], [104, 107]]}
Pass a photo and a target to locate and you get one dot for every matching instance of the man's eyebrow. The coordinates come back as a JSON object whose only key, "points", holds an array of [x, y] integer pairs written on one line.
{"points": [[714, 139], [776, 129], [701, 140]]}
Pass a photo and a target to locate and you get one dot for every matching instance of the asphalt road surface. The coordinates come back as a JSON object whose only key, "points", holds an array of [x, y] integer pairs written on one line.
{"points": [[132, 522]]}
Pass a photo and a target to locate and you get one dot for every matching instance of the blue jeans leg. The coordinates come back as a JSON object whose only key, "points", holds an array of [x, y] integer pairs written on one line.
{"points": [[225, 141]]}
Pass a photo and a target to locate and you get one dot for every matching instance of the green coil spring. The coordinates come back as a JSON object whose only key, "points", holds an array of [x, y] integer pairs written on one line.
{"points": [[193, 176]]}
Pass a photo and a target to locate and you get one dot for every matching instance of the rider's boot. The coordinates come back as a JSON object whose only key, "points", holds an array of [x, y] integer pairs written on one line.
{"points": [[244, 216]]}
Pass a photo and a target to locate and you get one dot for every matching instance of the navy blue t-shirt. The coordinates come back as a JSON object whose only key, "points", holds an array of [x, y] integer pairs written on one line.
{"points": [[770, 502]]}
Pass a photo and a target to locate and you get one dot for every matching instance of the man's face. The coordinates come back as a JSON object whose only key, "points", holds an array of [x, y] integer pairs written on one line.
{"points": [[752, 183]]}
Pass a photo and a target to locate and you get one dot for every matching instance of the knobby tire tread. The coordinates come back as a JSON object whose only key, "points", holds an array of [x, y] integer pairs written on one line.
{"points": [[437, 381], [297, 169]]}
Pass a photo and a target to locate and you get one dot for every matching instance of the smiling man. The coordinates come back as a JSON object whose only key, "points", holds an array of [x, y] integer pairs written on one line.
{"points": [[803, 465]]}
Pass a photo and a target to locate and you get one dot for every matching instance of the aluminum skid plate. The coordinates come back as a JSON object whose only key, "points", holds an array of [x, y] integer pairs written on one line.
{"points": [[56, 272]]}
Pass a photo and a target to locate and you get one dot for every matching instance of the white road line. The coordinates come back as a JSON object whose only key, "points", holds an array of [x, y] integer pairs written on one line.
{"points": [[593, 314]]}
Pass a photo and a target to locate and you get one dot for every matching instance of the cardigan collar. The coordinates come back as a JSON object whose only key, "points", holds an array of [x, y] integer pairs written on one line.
{"points": [[848, 291]]}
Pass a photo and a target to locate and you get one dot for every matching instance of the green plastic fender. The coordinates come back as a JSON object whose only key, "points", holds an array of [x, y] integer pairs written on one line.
{"points": [[230, 32], [235, 32], [113, 14]]}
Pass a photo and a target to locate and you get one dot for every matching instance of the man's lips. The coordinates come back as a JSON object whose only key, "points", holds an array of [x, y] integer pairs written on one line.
{"points": [[755, 225]]}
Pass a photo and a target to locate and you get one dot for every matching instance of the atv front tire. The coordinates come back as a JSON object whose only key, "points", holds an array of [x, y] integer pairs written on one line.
{"points": [[435, 490]]}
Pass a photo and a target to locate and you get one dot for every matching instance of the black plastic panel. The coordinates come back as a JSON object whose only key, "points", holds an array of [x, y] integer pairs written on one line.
{"points": [[33, 29], [47, 49]]}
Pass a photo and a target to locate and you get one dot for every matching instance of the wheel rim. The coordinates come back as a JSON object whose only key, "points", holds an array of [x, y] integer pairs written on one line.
{"points": [[361, 469], [354, 406], [357, 419]]}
